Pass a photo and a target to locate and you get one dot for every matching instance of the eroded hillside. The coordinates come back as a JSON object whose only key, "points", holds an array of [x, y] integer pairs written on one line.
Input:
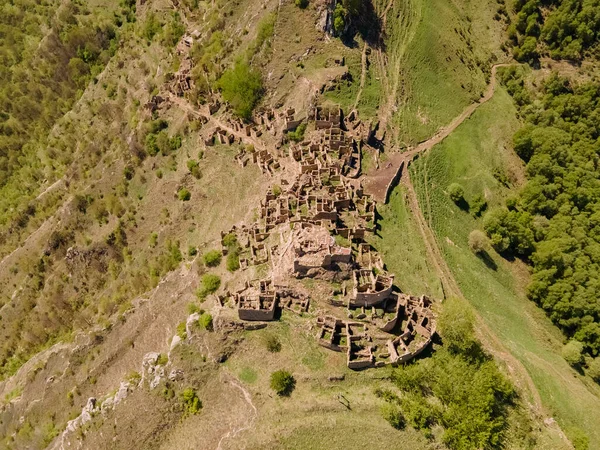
{"points": [[206, 193]]}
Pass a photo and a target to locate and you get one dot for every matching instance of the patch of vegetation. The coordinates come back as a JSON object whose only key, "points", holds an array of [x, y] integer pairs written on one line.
{"points": [[298, 134], [162, 360], [194, 168], [212, 258], [182, 331], [242, 88], [190, 402], [273, 343], [248, 375], [456, 193], [568, 29], [184, 195], [205, 322], [478, 241], [210, 284], [302, 4], [492, 285], [233, 259], [282, 382], [552, 223], [459, 388]]}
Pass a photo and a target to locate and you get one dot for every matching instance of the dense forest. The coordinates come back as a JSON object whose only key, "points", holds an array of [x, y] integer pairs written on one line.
{"points": [[554, 221], [566, 29]]}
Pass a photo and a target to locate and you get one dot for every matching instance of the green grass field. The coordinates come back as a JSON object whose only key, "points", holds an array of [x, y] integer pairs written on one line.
{"points": [[403, 253], [495, 287], [434, 64]]}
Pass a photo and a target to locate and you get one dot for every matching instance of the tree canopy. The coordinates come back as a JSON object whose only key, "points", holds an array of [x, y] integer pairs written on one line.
{"points": [[554, 223], [565, 29], [241, 86]]}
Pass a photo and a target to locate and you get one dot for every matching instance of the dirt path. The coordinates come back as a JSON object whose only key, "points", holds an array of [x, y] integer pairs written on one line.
{"points": [[183, 104], [378, 182], [363, 75], [238, 429]]}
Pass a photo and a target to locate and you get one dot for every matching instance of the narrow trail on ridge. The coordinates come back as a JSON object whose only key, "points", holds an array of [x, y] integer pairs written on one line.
{"points": [[363, 75], [238, 429]]}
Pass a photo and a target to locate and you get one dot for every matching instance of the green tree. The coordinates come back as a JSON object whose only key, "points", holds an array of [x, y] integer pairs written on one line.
{"points": [[572, 352], [456, 192], [206, 321], [241, 86], [478, 241], [594, 369], [282, 382], [212, 258], [209, 285]]}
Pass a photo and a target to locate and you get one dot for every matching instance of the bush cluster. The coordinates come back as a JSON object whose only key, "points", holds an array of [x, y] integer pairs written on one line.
{"points": [[459, 388], [282, 382], [567, 28]]}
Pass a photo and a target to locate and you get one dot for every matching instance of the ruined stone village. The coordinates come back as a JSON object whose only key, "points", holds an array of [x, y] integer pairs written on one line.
{"points": [[313, 225]]}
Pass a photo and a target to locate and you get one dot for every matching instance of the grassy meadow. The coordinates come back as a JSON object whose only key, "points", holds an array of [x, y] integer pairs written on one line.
{"points": [[494, 286]]}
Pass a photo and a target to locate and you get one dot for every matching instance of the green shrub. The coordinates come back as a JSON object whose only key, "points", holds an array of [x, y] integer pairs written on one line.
{"points": [[242, 88], [212, 258], [393, 415], [162, 360], [194, 168], [230, 240], [282, 382], [339, 19], [184, 195], [192, 308], [456, 192], [478, 241], [594, 369], [478, 205], [455, 325], [233, 260], [181, 331], [134, 378], [192, 251], [298, 134], [191, 402], [206, 322], [210, 283], [572, 352], [152, 26], [273, 344], [302, 4]]}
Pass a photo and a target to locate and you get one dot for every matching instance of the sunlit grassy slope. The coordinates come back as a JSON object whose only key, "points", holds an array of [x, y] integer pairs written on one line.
{"points": [[495, 287], [439, 57]]}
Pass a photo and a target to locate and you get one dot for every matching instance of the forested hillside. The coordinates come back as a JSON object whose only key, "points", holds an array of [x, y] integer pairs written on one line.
{"points": [[49, 51], [562, 29], [554, 221]]}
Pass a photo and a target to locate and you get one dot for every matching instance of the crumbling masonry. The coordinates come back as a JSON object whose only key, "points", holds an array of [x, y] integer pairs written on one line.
{"points": [[317, 225]]}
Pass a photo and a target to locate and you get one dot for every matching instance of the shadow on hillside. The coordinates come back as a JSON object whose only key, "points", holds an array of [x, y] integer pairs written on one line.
{"points": [[367, 25], [487, 260]]}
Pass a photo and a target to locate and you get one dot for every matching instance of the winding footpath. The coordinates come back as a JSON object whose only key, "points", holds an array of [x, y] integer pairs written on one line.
{"points": [[379, 183]]}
